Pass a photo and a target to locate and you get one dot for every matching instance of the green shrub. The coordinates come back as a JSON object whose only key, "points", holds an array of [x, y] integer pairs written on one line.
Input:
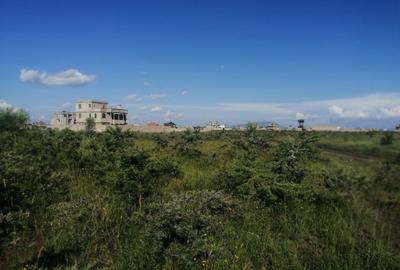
{"points": [[87, 200], [232, 176], [291, 156], [183, 230], [387, 138], [12, 120]]}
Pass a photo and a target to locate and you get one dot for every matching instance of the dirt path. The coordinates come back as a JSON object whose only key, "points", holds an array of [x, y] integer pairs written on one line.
{"points": [[351, 155]]}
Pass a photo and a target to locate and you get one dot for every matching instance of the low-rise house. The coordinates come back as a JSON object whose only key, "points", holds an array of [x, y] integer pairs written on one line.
{"points": [[152, 124], [103, 116], [214, 125], [272, 126]]}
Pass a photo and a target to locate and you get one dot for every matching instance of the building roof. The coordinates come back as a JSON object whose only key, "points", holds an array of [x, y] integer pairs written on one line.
{"points": [[91, 101], [152, 124]]}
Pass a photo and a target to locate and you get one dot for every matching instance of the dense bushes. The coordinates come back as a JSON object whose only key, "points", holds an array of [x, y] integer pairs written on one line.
{"points": [[291, 157], [221, 200], [387, 138], [183, 230], [12, 120]]}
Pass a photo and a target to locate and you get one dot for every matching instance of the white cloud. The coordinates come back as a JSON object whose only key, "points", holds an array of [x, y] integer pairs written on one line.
{"points": [[184, 93], [389, 112], [336, 110], [136, 98], [6, 105], [362, 115], [300, 115], [171, 116], [353, 111], [156, 109], [221, 66], [70, 77], [132, 98], [373, 106], [148, 84], [66, 105], [274, 108], [340, 112], [156, 96]]}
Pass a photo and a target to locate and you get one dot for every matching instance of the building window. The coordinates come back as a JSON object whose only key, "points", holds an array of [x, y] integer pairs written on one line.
{"points": [[95, 115], [90, 105], [80, 106], [103, 115], [80, 116], [90, 115]]}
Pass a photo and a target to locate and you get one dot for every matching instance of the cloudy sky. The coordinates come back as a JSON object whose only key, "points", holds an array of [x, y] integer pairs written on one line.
{"points": [[330, 62]]}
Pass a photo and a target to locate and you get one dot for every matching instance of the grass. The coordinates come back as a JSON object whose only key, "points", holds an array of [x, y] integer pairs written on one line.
{"points": [[365, 146], [344, 214]]}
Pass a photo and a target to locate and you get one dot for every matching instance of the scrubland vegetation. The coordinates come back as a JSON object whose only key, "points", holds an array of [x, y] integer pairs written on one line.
{"points": [[220, 200]]}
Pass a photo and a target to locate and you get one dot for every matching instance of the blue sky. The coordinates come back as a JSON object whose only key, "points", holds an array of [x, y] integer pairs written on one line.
{"points": [[330, 62]]}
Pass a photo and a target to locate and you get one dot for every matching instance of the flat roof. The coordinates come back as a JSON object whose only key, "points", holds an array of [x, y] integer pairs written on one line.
{"points": [[117, 109], [64, 112], [92, 101]]}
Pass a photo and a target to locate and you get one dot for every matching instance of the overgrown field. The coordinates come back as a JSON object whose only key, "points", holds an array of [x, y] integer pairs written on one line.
{"points": [[222, 200]]}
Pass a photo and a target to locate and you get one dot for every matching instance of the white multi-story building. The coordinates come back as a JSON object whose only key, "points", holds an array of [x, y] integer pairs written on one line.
{"points": [[99, 111]]}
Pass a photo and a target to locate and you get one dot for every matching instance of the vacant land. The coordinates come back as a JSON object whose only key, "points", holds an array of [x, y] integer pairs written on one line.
{"points": [[219, 200]]}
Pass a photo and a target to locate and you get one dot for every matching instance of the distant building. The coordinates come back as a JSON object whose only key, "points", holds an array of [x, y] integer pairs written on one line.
{"points": [[212, 124], [99, 111], [215, 125], [272, 126], [398, 128], [152, 124], [170, 124]]}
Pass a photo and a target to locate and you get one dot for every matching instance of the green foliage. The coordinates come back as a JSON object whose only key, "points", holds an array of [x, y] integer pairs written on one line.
{"points": [[250, 145], [137, 175], [221, 200], [291, 156], [387, 138], [12, 120], [186, 146], [183, 231], [386, 185], [90, 125], [161, 141]]}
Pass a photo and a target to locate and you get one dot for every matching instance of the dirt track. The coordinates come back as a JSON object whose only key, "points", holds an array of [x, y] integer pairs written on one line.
{"points": [[351, 155]]}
